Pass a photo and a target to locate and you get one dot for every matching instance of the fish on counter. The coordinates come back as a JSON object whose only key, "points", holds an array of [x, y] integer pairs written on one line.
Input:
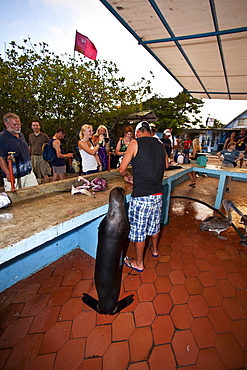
{"points": [[87, 184], [81, 190], [96, 184], [128, 178]]}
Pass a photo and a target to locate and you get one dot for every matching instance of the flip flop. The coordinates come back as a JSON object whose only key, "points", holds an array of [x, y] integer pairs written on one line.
{"points": [[150, 248], [192, 185], [128, 264], [155, 255]]}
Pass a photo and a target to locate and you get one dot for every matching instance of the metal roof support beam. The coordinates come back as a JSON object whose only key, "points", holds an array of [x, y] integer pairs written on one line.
{"points": [[216, 25], [122, 21], [195, 36], [169, 30], [216, 93]]}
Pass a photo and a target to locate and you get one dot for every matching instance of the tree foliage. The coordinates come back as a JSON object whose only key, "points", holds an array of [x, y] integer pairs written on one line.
{"points": [[63, 92], [217, 124], [175, 112]]}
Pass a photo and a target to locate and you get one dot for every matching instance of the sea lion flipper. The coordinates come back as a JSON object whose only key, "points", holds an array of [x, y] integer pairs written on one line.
{"points": [[123, 303], [90, 301]]}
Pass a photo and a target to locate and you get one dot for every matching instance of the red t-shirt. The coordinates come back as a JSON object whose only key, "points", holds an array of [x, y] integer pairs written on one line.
{"points": [[187, 144]]}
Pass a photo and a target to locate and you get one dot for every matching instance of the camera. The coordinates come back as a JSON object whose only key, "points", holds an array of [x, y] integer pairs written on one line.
{"points": [[106, 138]]}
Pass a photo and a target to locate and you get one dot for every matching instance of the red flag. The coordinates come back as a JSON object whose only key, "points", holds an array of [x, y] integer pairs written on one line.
{"points": [[85, 46]]}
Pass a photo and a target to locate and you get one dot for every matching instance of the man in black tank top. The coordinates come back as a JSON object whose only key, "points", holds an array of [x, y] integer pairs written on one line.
{"points": [[149, 160]]}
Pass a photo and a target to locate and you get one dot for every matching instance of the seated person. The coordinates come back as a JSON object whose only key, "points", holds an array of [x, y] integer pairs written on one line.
{"points": [[194, 155], [229, 157], [196, 149]]}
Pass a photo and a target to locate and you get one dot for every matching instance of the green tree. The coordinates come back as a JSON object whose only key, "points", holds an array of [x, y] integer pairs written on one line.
{"points": [[217, 124], [64, 92], [175, 112]]}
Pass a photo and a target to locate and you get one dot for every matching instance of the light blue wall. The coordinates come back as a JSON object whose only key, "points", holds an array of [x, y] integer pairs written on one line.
{"points": [[20, 267]]}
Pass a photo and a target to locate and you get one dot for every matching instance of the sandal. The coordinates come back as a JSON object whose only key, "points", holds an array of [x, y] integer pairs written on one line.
{"points": [[127, 262], [150, 247]]}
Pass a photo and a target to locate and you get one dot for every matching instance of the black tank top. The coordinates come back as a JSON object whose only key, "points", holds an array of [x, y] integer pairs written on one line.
{"points": [[148, 167], [59, 162]]}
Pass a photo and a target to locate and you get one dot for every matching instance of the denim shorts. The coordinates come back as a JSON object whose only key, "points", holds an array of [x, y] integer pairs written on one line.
{"points": [[144, 216]]}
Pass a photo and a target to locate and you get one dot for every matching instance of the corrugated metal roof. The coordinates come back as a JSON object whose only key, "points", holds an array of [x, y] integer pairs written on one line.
{"points": [[202, 44]]}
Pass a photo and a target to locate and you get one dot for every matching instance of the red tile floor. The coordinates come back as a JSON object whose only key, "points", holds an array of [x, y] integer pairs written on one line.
{"points": [[189, 309]]}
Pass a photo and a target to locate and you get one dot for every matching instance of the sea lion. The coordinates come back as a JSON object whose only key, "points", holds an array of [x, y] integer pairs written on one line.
{"points": [[111, 249]]}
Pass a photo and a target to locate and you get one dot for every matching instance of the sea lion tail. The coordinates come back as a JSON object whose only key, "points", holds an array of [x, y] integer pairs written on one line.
{"points": [[123, 303], [93, 303], [90, 301]]}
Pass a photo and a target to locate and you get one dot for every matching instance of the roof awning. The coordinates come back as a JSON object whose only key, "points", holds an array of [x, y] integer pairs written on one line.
{"points": [[202, 44]]}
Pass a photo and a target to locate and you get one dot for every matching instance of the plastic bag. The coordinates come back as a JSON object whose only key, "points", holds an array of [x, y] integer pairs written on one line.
{"points": [[4, 200], [180, 159]]}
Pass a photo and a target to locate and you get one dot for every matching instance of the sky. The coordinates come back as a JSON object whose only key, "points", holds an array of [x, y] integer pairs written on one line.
{"points": [[56, 21]]}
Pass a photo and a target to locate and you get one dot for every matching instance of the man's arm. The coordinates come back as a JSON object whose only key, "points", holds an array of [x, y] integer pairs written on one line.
{"points": [[4, 167], [129, 154], [56, 146], [166, 160], [29, 144]]}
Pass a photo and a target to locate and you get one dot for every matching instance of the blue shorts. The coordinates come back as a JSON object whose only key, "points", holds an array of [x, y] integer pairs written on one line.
{"points": [[144, 216]]}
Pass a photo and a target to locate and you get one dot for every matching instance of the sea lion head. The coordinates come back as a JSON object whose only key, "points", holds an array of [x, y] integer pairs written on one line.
{"points": [[117, 194]]}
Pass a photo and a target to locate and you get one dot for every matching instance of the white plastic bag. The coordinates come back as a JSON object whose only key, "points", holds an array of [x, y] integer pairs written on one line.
{"points": [[4, 200], [180, 159]]}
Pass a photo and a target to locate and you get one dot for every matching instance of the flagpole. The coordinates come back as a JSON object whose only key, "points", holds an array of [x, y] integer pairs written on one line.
{"points": [[74, 45]]}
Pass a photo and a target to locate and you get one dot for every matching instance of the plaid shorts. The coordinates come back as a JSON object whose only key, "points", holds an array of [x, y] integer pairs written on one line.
{"points": [[144, 216]]}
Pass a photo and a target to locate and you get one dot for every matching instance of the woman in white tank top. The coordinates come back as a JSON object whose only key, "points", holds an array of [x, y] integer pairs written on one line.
{"points": [[90, 159]]}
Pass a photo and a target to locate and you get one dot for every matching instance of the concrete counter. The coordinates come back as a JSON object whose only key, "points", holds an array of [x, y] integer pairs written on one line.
{"points": [[49, 210], [46, 221]]}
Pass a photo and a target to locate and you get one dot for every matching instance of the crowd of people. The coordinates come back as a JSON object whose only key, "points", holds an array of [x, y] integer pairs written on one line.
{"points": [[29, 167], [22, 163], [25, 163], [148, 155]]}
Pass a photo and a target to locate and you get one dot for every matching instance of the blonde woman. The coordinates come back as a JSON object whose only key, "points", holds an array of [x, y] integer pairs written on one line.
{"points": [[194, 155], [196, 149], [104, 148], [89, 153]]}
